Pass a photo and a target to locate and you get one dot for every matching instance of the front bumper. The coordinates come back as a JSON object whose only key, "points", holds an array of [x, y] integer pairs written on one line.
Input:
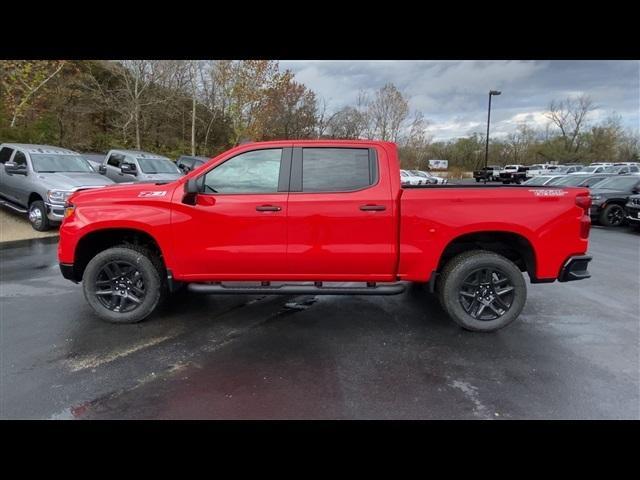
{"points": [[67, 271], [575, 269], [632, 213], [55, 212]]}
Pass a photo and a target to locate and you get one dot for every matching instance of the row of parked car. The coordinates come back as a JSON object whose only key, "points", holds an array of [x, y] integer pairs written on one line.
{"points": [[615, 187], [615, 196], [418, 177], [520, 173], [38, 179]]}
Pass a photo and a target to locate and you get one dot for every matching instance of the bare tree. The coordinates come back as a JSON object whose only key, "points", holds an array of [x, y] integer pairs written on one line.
{"points": [[137, 79], [388, 110], [22, 80], [569, 116]]}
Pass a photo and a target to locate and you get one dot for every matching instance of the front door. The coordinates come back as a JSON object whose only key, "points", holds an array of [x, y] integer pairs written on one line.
{"points": [[340, 215], [237, 228]]}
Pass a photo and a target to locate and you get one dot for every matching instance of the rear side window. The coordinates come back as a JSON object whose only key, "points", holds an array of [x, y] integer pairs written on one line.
{"points": [[337, 169], [5, 154]]}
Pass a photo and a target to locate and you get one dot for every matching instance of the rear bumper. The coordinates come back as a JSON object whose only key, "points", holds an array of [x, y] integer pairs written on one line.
{"points": [[575, 269]]}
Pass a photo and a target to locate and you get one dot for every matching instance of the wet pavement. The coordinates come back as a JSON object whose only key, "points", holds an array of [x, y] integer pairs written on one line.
{"points": [[573, 353]]}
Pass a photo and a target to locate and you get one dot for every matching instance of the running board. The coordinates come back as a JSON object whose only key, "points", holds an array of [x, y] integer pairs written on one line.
{"points": [[12, 206], [288, 289]]}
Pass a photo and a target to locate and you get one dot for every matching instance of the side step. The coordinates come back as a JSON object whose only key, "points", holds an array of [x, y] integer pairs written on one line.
{"points": [[288, 289], [6, 203]]}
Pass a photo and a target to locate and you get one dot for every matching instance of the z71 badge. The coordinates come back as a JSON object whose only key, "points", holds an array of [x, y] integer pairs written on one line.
{"points": [[159, 193], [548, 193]]}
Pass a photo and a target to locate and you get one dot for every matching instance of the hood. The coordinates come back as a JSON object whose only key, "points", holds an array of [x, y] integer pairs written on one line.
{"points": [[71, 180]]}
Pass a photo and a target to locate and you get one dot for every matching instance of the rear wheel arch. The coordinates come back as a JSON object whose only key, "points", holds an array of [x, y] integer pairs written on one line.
{"points": [[97, 241], [511, 245]]}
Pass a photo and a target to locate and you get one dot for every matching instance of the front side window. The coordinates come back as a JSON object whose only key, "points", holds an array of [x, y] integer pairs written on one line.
{"points": [[115, 160], [48, 162], [336, 169], [20, 159], [257, 171]]}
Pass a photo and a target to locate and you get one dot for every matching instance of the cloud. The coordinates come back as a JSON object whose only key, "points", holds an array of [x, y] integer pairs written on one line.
{"points": [[453, 95]]}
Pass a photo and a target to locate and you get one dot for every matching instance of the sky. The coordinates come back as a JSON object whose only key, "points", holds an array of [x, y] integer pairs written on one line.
{"points": [[453, 95]]}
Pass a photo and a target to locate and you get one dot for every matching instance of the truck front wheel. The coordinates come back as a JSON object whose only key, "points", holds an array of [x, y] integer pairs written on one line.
{"points": [[482, 291], [38, 216], [123, 284]]}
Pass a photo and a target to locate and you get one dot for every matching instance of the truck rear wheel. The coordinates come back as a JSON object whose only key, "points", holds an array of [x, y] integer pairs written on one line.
{"points": [[482, 291], [123, 284]]}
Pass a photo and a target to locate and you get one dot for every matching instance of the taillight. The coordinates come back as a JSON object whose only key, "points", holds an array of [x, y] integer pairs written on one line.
{"points": [[583, 200]]}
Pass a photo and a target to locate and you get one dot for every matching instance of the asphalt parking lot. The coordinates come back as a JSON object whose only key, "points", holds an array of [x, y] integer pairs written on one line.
{"points": [[573, 354]]}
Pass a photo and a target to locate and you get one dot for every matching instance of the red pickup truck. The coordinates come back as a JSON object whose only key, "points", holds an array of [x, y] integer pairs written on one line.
{"points": [[297, 217]]}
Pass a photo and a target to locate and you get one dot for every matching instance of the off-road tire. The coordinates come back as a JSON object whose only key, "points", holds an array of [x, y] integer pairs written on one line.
{"points": [[153, 275], [457, 270]]}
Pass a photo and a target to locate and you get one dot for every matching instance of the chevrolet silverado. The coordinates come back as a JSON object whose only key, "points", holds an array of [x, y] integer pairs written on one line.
{"points": [[297, 217]]}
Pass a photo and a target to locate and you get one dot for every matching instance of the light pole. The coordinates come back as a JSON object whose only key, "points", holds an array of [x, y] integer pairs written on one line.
{"points": [[486, 151]]}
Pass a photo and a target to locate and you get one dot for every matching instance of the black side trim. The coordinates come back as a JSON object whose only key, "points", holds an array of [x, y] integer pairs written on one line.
{"points": [[296, 171], [575, 269], [285, 170], [373, 166], [67, 272]]}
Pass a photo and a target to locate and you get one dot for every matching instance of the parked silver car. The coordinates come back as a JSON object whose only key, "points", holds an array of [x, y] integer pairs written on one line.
{"points": [[137, 166], [39, 178]]}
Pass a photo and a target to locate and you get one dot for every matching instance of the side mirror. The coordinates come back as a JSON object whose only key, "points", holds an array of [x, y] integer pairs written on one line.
{"points": [[102, 169], [13, 169], [128, 168], [192, 187]]}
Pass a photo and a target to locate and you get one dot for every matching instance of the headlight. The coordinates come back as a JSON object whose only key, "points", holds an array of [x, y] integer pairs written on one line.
{"points": [[59, 196], [596, 197]]}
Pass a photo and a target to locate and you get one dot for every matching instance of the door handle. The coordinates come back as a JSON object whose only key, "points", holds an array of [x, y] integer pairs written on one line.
{"points": [[372, 208], [268, 208]]}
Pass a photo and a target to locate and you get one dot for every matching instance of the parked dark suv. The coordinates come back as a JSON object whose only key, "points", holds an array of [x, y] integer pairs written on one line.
{"points": [[632, 210], [610, 196], [186, 163]]}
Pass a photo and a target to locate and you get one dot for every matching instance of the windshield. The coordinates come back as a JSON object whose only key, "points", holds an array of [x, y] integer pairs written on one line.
{"points": [[541, 180], [613, 169], [619, 183], [591, 169], [511, 167], [561, 170], [419, 173], [50, 163], [157, 165]]}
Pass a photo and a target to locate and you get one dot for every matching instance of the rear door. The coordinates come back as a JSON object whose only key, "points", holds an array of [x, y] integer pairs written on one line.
{"points": [[340, 221]]}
